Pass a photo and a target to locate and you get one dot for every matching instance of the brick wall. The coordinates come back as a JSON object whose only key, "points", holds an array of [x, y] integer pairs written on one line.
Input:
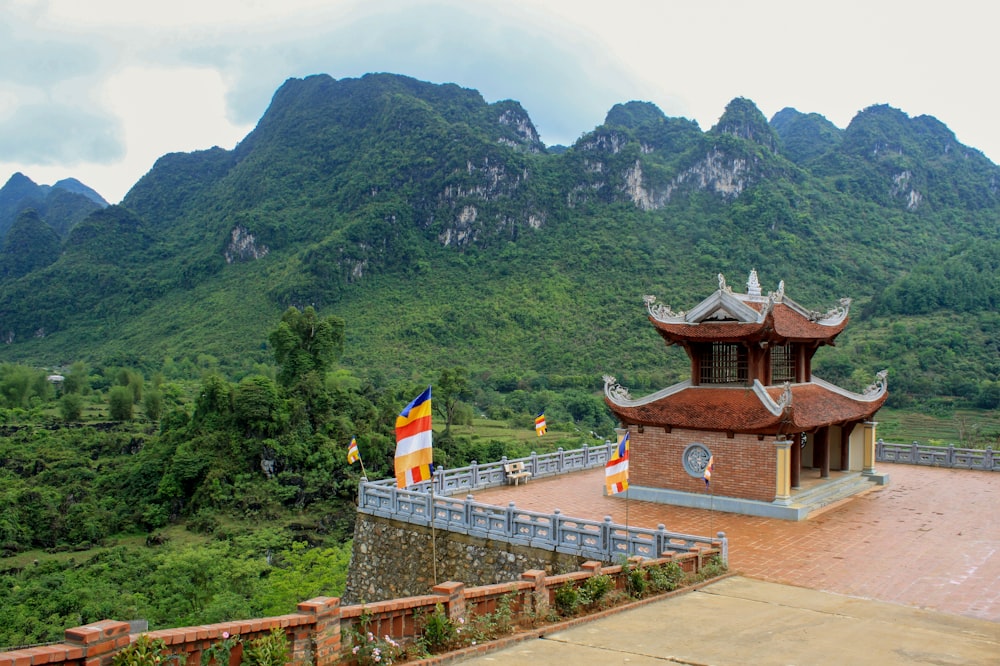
{"points": [[744, 465]]}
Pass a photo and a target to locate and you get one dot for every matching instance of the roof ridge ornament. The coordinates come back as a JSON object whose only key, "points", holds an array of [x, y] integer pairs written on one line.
{"points": [[661, 311], [615, 390], [879, 386], [753, 284], [723, 286], [834, 315], [778, 295]]}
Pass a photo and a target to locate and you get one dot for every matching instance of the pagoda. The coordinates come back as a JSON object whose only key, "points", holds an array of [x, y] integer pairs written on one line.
{"points": [[782, 441]]}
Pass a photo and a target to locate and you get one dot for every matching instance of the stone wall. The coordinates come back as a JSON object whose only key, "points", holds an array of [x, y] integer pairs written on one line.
{"points": [[393, 559]]}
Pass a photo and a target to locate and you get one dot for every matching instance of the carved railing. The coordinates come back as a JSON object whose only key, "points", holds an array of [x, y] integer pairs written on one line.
{"points": [[937, 456], [599, 540]]}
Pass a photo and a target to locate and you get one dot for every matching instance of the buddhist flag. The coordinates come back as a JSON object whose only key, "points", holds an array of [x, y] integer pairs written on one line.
{"points": [[540, 426], [708, 470], [616, 470], [414, 442], [353, 455]]}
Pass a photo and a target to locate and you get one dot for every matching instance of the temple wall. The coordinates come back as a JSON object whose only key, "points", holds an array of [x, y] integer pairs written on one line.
{"points": [[744, 465]]}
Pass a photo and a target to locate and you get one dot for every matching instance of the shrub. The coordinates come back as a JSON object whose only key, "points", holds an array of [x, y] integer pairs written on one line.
{"points": [[271, 649], [666, 577], [218, 652], [595, 588], [637, 582], [438, 631], [144, 651], [567, 599], [367, 648]]}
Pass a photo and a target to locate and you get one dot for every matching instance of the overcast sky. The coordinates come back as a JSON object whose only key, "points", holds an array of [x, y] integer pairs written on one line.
{"points": [[99, 89]]}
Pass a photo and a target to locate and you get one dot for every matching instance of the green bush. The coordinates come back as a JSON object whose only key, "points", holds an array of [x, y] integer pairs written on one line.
{"points": [[120, 401], [144, 651], [439, 633], [567, 598], [666, 577], [271, 649]]}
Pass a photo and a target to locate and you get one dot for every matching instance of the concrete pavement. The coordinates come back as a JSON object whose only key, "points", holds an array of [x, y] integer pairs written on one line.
{"points": [[907, 573], [740, 621]]}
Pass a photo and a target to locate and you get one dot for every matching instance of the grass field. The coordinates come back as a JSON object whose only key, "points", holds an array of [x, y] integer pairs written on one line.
{"points": [[967, 428]]}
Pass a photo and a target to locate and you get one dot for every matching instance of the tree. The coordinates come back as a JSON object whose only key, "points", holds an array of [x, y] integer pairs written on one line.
{"points": [[451, 389], [71, 406], [304, 343], [120, 401]]}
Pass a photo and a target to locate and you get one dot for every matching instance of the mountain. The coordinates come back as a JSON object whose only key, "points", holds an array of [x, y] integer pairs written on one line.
{"points": [[62, 205], [445, 233]]}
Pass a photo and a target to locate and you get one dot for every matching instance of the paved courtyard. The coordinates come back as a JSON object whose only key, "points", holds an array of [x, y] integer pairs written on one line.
{"points": [[930, 539]]}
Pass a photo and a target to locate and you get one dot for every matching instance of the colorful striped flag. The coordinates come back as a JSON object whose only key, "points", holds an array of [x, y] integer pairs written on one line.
{"points": [[708, 470], [540, 426], [414, 442], [353, 455], [616, 470]]}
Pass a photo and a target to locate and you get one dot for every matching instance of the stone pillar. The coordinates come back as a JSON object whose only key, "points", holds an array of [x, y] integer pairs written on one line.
{"points": [[99, 641], [782, 471], [868, 462], [823, 448], [454, 593], [796, 462], [325, 637]]}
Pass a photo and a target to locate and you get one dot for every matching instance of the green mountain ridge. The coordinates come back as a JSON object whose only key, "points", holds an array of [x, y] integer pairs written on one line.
{"points": [[444, 232]]}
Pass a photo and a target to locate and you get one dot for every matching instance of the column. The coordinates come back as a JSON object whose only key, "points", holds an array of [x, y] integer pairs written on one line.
{"points": [[823, 447], [868, 462], [99, 641], [796, 462], [782, 471]]}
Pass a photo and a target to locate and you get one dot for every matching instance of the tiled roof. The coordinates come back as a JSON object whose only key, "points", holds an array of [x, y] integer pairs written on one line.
{"points": [[784, 321], [740, 409]]}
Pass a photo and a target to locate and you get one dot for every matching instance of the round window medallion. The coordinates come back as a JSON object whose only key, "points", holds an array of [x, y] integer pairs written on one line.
{"points": [[695, 459]]}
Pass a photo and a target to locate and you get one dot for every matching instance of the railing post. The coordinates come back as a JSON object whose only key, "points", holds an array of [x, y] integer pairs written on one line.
{"points": [[509, 523], [540, 593], [988, 458], [99, 641], [951, 455], [474, 471], [915, 453], [467, 507], [324, 645], [724, 549], [454, 594], [557, 527], [561, 458], [661, 540], [586, 456], [534, 464], [606, 537]]}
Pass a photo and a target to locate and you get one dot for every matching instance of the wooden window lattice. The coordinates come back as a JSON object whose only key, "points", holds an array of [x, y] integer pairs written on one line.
{"points": [[724, 363], [782, 364]]}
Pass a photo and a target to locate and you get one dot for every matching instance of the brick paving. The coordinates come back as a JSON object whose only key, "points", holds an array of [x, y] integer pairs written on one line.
{"points": [[930, 539]]}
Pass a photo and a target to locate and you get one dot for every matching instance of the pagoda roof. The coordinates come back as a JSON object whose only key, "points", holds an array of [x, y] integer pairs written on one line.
{"points": [[726, 316], [756, 409]]}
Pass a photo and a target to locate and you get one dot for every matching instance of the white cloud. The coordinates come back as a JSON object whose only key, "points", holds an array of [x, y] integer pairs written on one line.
{"points": [[121, 82]]}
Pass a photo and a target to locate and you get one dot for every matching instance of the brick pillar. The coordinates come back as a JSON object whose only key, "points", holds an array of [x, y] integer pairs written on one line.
{"points": [[100, 641], [540, 593], [782, 471], [868, 458], [321, 647], [454, 598]]}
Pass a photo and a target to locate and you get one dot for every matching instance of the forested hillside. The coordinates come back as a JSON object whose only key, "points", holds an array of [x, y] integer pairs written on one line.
{"points": [[443, 232]]}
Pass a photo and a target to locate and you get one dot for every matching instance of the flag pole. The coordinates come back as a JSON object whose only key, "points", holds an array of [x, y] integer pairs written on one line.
{"points": [[434, 557]]}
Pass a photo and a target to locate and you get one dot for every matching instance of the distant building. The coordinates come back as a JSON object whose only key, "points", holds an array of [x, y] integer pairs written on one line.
{"points": [[783, 442]]}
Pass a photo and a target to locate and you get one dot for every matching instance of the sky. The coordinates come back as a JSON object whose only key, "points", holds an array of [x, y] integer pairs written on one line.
{"points": [[98, 90]]}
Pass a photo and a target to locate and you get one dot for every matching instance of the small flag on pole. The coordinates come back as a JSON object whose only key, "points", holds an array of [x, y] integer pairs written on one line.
{"points": [[414, 442], [707, 475], [616, 469], [540, 426], [353, 455]]}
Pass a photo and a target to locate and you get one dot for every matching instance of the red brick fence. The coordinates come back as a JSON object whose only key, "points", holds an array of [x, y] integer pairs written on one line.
{"points": [[315, 630]]}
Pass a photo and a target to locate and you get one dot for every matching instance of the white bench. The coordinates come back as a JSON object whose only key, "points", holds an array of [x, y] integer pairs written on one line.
{"points": [[515, 472]]}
